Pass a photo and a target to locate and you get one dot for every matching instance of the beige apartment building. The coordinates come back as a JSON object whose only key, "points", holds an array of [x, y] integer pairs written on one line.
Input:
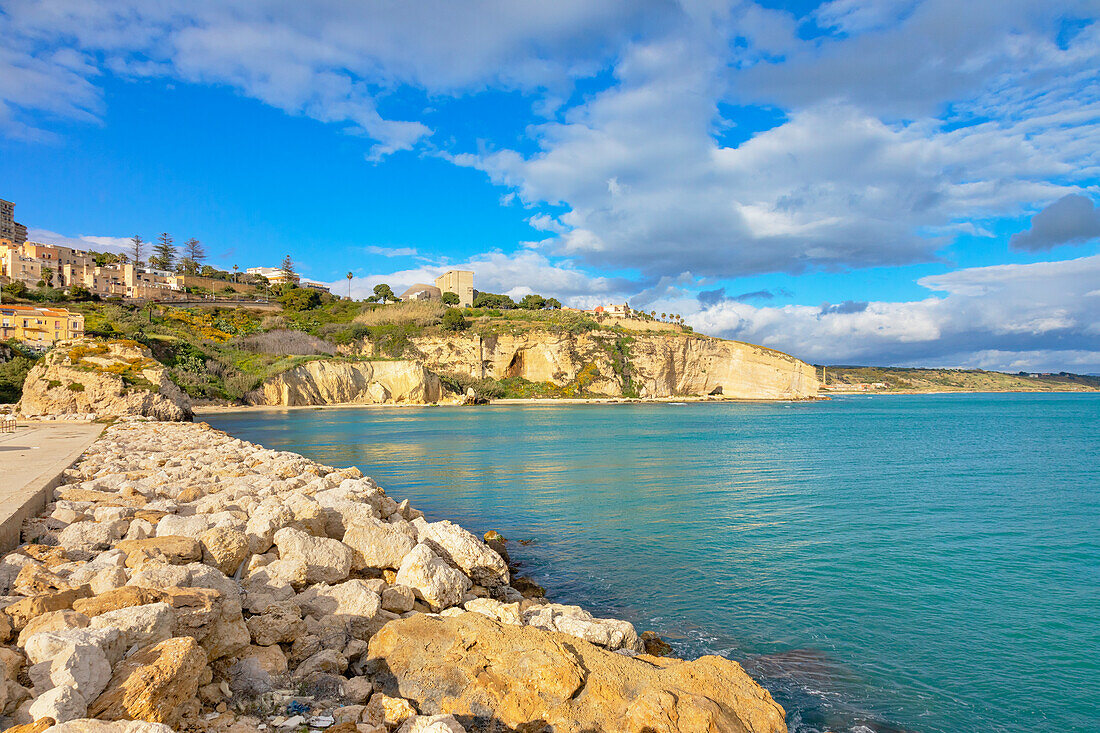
{"points": [[459, 282], [71, 267]]}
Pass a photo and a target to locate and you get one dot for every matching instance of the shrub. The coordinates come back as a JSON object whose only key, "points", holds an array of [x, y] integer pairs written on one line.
{"points": [[300, 299], [454, 321], [450, 298], [284, 343], [76, 387]]}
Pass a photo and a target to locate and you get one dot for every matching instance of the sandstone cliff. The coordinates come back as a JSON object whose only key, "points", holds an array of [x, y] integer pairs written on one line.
{"points": [[605, 363], [107, 378], [327, 382]]}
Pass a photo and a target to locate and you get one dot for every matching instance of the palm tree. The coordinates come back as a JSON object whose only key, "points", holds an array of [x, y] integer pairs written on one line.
{"points": [[664, 316], [235, 268], [349, 285]]}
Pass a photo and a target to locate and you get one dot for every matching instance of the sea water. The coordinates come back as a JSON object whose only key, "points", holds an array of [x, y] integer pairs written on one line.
{"points": [[883, 563]]}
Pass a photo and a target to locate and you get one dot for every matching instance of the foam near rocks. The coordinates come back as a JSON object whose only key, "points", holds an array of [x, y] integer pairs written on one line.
{"points": [[194, 581]]}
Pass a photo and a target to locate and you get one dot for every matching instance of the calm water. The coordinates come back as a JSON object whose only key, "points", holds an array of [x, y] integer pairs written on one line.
{"points": [[924, 563]]}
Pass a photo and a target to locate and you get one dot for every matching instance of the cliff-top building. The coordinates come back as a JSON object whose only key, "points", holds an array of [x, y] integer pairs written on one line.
{"points": [[9, 228], [39, 328], [459, 282]]}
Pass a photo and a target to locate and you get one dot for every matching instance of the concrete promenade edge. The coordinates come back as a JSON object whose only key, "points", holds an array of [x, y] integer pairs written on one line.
{"points": [[32, 460]]}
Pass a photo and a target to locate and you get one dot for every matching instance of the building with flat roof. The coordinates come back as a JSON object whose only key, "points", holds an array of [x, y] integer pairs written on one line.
{"points": [[9, 227], [459, 282], [39, 328]]}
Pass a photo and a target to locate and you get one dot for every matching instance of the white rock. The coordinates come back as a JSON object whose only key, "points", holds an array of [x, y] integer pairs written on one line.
{"points": [[140, 529], [86, 537], [433, 580], [376, 544], [161, 575], [61, 703], [611, 633], [108, 579], [175, 525], [464, 551], [139, 625], [505, 613], [82, 666], [431, 724], [350, 598], [327, 560], [265, 520]]}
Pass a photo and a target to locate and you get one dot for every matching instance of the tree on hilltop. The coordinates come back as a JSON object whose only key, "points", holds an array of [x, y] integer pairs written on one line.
{"points": [[164, 253], [384, 293], [532, 302], [288, 270], [193, 255], [136, 246]]}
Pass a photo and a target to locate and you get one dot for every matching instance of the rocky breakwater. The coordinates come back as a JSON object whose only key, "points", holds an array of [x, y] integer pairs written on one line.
{"points": [[332, 382], [186, 580], [102, 378], [656, 365]]}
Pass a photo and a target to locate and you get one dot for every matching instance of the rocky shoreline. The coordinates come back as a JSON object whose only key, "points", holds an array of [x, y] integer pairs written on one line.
{"points": [[185, 580]]}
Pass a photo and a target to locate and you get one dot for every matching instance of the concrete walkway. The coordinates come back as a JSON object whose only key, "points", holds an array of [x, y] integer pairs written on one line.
{"points": [[31, 461]]}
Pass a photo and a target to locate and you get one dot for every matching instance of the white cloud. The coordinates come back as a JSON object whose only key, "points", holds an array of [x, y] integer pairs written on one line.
{"points": [[1012, 311], [81, 241], [515, 274], [391, 251], [330, 60]]}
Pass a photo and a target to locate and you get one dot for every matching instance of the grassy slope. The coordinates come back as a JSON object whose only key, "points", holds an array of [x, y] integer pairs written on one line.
{"points": [[901, 379]]}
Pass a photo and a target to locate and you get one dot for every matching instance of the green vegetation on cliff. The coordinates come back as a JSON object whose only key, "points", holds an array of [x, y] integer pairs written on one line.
{"points": [[903, 379]]}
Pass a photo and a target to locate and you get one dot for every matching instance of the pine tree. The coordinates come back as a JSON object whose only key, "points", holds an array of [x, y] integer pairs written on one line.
{"points": [[165, 253], [288, 270], [137, 243], [193, 255]]}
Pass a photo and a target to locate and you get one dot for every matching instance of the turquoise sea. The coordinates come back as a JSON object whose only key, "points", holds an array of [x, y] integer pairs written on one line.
{"points": [[886, 563]]}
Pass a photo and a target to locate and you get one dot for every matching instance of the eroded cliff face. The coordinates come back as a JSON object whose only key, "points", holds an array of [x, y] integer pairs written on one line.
{"points": [[665, 365], [104, 378], [342, 382]]}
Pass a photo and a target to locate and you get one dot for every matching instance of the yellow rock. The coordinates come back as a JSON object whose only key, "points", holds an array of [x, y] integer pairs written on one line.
{"points": [[154, 683]]}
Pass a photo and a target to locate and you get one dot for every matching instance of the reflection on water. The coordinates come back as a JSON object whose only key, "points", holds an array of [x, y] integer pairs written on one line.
{"points": [[880, 564]]}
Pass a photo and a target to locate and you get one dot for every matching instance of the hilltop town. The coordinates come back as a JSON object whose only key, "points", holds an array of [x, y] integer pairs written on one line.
{"points": [[159, 272]]}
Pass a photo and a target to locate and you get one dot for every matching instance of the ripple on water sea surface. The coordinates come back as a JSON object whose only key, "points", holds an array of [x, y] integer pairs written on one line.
{"points": [[925, 563]]}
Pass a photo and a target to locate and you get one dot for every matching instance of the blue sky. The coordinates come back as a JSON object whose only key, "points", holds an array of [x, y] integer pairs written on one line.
{"points": [[887, 182]]}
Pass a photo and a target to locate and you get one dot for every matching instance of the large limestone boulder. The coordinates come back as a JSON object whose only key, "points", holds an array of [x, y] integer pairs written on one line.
{"points": [[465, 551], [154, 683], [432, 579], [478, 670], [377, 544], [113, 378], [326, 560]]}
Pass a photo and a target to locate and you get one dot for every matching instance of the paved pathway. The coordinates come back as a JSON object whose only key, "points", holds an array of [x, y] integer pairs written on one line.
{"points": [[31, 461]]}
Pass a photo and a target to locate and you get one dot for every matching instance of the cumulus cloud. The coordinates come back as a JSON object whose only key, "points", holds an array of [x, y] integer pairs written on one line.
{"points": [[330, 60], [81, 241], [1039, 316], [864, 171], [1071, 219]]}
